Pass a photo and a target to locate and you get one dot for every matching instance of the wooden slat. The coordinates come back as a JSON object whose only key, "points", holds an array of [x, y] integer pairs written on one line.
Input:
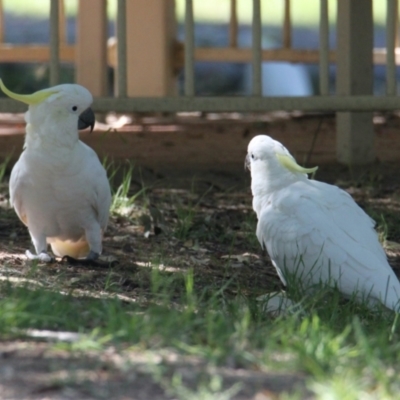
{"points": [[354, 76], [244, 55], [1, 22], [91, 47], [232, 104], [397, 37], [233, 25], [189, 49], [391, 26], [34, 53], [151, 34], [287, 26], [54, 43], [324, 48], [62, 31], [256, 31], [122, 67], [245, 103]]}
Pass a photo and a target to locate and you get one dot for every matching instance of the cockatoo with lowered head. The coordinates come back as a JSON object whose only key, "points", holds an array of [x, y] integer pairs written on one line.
{"points": [[316, 231], [58, 187]]}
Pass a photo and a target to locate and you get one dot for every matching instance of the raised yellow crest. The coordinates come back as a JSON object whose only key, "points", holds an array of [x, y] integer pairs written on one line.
{"points": [[290, 164], [31, 99]]}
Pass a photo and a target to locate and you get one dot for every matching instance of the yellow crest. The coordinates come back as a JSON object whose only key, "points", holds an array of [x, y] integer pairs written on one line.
{"points": [[31, 99], [290, 164]]}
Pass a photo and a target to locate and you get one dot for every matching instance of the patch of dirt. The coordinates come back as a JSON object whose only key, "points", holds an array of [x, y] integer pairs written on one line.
{"points": [[32, 370], [214, 234]]}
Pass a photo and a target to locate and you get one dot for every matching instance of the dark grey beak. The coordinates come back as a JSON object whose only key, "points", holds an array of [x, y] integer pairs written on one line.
{"points": [[86, 119], [247, 164]]}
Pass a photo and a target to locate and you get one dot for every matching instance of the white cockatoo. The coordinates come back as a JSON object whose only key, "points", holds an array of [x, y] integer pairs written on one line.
{"points": [[58, 187], [315, 231]]}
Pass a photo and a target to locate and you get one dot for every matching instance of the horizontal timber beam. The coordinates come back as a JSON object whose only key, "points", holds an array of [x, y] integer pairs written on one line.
{"points": [[233, 104]]}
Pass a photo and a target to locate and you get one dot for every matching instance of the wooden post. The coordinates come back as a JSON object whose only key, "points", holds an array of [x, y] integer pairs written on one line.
{"points": [[1, 22], [287, 26], [233, 25], [189, 88], [355, 135], [54, 44], [256, 33], [151, 30], [91, 46], [62, 26], [121, 69]]}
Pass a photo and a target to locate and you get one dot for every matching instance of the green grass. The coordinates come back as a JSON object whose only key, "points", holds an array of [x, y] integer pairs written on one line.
{"points": [[3, 166], [122, 198], [342, 348], [304, 12]]}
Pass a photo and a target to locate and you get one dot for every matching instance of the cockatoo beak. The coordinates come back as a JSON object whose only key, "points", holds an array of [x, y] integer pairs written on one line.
{"points": [[86, 119], [247, 164], [31, 99]]}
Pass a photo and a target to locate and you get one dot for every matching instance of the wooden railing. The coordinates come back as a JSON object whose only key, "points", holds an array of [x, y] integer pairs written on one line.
{"points": [[144, 60], [60, 50]]}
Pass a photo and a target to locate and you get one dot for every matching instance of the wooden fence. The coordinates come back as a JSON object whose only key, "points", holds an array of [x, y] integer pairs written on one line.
{"points": [[145, 56]]}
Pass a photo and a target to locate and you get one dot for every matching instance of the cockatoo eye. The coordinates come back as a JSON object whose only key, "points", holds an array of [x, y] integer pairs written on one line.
{"points": [[252, 156], [74, 108]]}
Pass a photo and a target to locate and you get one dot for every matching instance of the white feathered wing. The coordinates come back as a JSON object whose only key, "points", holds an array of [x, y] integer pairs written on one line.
{"points": [[318, 232]]}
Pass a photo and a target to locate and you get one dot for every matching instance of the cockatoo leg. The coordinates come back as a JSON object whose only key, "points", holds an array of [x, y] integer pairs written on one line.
{"points": [[277, 303], [90, 259], [93, 236], [42, 256]]}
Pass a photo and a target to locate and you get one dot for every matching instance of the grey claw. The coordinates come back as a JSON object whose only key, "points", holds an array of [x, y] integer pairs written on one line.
{"points": [[92, 255], [92, 260]]}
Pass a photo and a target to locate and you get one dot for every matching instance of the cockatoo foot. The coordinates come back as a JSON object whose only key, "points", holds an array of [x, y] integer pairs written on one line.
{"points": [[92, 256], [277, 304], [42, 257], [91, 260]]}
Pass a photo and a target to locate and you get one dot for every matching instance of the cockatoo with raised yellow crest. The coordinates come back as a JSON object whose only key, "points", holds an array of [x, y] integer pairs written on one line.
{"points": [[58, 187], [314, 231]]}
